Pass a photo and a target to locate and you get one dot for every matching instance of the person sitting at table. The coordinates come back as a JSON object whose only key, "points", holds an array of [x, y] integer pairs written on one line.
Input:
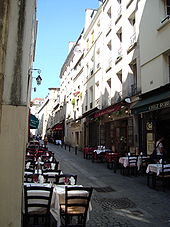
{"points": [[159, 151]]}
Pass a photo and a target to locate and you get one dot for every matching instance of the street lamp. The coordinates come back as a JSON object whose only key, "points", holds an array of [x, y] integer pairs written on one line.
{"points": [[38, 78]]}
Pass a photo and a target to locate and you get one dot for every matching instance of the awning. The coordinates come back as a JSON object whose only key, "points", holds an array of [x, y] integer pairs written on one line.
{"points": [[151, 103], [87, 114], [33, 122], [108, 110], [57, 127]]}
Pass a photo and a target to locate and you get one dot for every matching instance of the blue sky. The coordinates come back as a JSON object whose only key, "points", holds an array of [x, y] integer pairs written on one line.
{"points": [[59, 22]]}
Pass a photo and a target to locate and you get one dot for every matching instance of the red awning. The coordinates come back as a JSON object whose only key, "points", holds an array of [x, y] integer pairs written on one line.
{"points": [[108, 110], [57, 127], [76, 93]]}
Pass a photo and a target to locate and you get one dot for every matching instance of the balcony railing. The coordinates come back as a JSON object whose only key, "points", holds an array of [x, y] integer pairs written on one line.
{"points": [[119, 12], [119, 52], [133, 39]]}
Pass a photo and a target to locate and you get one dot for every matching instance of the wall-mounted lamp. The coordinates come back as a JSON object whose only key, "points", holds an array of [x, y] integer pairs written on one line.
{"points": [[38, 78], [128, 100]]}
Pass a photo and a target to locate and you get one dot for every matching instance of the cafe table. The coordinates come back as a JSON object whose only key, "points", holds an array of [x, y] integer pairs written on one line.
{"points": [[99, 154], [156, 168], [124, 160], [153, 170], [58, 198]]}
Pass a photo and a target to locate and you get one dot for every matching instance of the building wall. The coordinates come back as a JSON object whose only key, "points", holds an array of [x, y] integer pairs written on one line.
{"points": [[154, 46], [15, 86], [13, 139]]}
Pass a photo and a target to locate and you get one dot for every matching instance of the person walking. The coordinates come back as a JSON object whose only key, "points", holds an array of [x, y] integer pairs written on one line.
{"points": [[45, 141]]}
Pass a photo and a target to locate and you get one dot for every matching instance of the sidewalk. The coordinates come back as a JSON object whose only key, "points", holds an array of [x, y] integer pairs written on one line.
{"points": [[124, 202]]}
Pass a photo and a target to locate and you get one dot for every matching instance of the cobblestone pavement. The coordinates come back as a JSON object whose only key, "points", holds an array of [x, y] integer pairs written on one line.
{"points": [[117, 201]]}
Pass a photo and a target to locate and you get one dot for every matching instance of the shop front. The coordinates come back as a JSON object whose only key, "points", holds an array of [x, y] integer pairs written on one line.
{"points": [[153, 110], [115, 128], [58, 132]]}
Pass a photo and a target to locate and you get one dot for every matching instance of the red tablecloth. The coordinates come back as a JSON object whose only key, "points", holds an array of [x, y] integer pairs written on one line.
{"points": [[110, 157]]}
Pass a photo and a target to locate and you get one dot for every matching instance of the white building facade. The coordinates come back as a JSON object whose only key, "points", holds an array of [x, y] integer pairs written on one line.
{"points": [[108, 87]]}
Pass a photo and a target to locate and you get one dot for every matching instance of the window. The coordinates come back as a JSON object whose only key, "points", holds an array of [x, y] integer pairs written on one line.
{"points": [[120, 87], [168, 7], [109, 13], [119, 34], [110, 45], [119, 75], [91, 97], [87, 44], [133, 67], [86, 98], [92, 37]]}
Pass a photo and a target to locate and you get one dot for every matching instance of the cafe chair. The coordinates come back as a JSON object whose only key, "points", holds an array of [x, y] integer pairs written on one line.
{"points": [[30, 164], [28, 178], [66, 179], [51, 176], [132, 168], [144, 161], [37, 201], [163, 177], [74, 212], [51, 165]]}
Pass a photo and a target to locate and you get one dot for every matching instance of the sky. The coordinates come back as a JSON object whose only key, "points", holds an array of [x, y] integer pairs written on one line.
{"points": [[59, 22]]}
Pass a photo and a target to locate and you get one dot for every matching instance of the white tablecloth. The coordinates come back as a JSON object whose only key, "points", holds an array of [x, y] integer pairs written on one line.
{"points": [[100, 151], [124, 161], [58, 142], [156, 168], [58, 198]]}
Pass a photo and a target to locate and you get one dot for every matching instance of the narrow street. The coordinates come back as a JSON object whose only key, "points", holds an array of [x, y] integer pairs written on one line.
{"points": [[124, 202]]}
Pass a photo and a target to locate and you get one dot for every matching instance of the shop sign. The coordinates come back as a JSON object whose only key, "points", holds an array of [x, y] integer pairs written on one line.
{"points": [[108, 110], [159, 106], [149, 125]]}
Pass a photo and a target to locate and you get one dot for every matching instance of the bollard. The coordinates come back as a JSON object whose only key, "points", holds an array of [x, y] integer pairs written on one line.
{"points": [[69, 148], [75, 150], [65, 146]]}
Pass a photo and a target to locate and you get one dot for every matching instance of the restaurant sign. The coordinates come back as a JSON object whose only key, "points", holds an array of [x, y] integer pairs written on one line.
{"points": [[160, 105], [108, 110]]}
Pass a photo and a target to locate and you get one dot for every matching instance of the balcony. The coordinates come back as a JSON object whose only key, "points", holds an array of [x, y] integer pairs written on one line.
{"points": [[133, 39], [132, 42], [119, 55], [109, 28], [109, 64], [119, 14]]}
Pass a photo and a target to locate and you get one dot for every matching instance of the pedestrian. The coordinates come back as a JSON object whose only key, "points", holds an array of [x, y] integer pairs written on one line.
{"points": [[45, 141]]}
